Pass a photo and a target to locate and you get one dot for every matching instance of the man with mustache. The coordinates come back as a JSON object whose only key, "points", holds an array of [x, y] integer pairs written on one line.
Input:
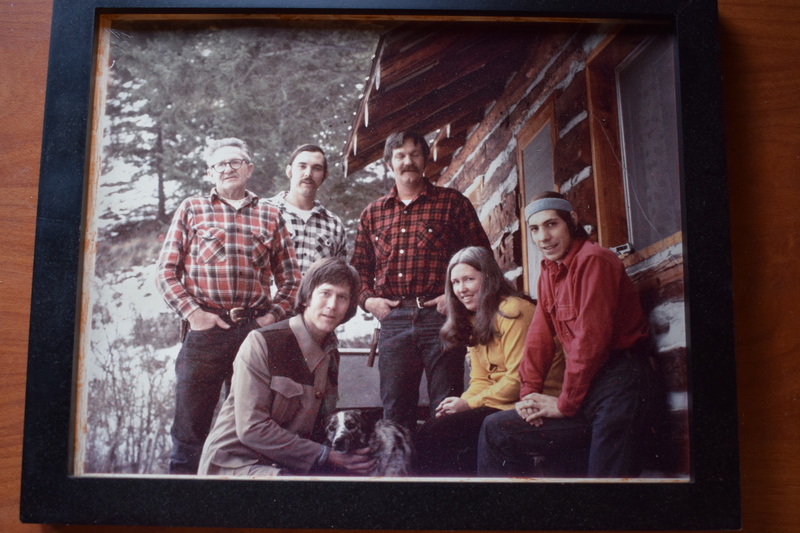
{"points": [[316, 232], [404, 242], [218, 262]]}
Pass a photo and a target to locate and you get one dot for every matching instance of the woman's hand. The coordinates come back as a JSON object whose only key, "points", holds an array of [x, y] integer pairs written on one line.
{"points": [[451, 405], [535, 407]]}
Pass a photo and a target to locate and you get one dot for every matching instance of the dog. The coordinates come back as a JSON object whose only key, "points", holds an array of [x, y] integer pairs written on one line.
{"points": [[388, 441]]}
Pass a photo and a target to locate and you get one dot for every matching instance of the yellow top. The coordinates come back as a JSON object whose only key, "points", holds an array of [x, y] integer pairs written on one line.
{"points": [[494, 377]]}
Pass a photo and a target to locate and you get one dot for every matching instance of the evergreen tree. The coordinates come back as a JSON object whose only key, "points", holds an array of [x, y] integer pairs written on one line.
{"points": [[274, 84]]}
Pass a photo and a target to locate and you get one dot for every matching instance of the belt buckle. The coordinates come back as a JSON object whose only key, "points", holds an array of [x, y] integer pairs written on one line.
{"points": [[420, 301], [237, 314]]}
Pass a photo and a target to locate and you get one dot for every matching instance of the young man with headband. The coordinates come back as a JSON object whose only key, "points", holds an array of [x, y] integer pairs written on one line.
{"points": [[587, 300]]}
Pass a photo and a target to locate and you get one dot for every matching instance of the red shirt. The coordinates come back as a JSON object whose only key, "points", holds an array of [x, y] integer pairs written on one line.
{"points": [[402, 250], [217, 256], [591, 305]]}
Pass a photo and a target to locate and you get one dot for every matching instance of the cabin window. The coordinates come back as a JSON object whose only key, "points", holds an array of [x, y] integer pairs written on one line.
{"points": [[634, 129], [648, 119], [535, 163]]}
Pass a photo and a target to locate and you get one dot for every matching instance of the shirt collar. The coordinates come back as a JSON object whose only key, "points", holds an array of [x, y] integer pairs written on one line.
{"points": [[251, 196], [313, 352], [280, 200], [577, 244], [425, 192]]}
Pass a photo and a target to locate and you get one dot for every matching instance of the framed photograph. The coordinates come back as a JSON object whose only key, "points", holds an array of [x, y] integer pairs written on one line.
{"points": [[614, 105]]}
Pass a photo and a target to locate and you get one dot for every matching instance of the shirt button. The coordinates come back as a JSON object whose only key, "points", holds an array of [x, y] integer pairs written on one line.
{"points": [[403, 230], [400, 275], [402, 251], [317, 394]]}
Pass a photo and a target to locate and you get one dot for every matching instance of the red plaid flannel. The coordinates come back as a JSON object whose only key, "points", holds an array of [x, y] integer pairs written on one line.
{"points": [[402, 250], [217, 256]]}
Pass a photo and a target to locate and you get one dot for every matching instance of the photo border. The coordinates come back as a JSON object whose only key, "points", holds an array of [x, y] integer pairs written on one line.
{"points": [[711, 500]]}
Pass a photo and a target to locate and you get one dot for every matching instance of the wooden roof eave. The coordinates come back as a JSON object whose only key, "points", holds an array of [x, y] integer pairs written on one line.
{"points": [[433, 93]]}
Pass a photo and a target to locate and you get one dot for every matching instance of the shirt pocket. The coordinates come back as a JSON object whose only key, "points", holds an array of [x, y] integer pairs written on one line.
{"points": [[262, 246], [324, 246], [432, 237], [383, 247], [286, 399], [211, 245], [566, 315]]}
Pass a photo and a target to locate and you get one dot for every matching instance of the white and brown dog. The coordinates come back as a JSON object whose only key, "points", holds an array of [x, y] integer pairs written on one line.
{"points": [[389, 442]]}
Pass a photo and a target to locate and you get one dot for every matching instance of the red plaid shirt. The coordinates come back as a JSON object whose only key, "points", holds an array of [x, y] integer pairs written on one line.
{"points": [[217, 256], [402, 250]]}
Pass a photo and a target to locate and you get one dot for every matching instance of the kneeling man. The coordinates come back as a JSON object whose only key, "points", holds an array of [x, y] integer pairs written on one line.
{"points": [[284, 385]]}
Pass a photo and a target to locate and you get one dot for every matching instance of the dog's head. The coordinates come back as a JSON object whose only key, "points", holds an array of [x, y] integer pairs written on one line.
{"points": [[346, 431]]}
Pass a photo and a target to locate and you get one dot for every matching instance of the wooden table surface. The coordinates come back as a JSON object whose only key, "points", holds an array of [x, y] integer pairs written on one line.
{"points": [[761, 45]]}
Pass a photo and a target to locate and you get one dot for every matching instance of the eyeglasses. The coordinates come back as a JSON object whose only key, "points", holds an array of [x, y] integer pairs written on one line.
{"points": [[235, 164]]}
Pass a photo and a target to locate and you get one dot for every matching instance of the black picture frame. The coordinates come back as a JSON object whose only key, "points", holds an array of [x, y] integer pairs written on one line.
{"points": [[710, 500]]}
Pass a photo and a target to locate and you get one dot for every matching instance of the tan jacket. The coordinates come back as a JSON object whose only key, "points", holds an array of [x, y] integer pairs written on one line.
{"points": [[269, 415]]}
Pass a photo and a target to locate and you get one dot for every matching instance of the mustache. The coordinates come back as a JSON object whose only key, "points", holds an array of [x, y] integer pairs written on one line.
{"points": [[410, 168]]}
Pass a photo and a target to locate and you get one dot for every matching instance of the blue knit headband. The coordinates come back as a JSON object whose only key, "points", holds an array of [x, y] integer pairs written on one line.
{"points": [[543, 204]]}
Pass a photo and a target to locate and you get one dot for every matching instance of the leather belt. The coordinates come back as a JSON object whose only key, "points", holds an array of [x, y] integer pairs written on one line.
{"points": [[411, 302], [236, 314]]}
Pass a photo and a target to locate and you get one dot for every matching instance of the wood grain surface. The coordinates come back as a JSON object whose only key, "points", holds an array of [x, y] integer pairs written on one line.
{"points": [[761, 44]]}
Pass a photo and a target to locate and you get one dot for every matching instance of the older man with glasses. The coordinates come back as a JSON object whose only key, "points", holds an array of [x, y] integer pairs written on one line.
{"points": [[215, 269]]}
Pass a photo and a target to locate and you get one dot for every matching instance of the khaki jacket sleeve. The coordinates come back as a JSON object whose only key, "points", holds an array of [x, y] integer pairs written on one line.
{"points": [[259, 399]]}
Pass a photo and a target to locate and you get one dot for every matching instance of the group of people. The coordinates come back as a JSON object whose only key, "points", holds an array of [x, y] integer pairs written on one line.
{"points": [[567, 379]]}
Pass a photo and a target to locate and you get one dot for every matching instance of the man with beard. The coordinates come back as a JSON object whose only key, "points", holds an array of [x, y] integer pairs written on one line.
{"points": [[405, 240], [215, 270], [316, 232]]}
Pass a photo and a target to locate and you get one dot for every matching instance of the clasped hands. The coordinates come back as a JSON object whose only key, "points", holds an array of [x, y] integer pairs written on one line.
{"points": [[535, 407], [451, 405]]}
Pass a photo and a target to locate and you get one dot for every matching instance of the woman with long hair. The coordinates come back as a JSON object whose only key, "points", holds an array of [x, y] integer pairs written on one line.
{"points": [[492, 318]]}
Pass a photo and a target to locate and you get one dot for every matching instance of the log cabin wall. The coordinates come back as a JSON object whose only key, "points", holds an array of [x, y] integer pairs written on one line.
{"points": [[553, 85]]}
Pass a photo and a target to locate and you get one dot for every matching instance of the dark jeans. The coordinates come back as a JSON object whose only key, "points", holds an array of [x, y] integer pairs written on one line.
{"points": [[204, 363], [448, 446], [605, 435], [410, 344]]}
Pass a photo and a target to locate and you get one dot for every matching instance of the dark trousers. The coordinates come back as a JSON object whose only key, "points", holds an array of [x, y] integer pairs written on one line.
{"points": [[606, 434], [204, 363], [409, 345], [448, 446]]}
